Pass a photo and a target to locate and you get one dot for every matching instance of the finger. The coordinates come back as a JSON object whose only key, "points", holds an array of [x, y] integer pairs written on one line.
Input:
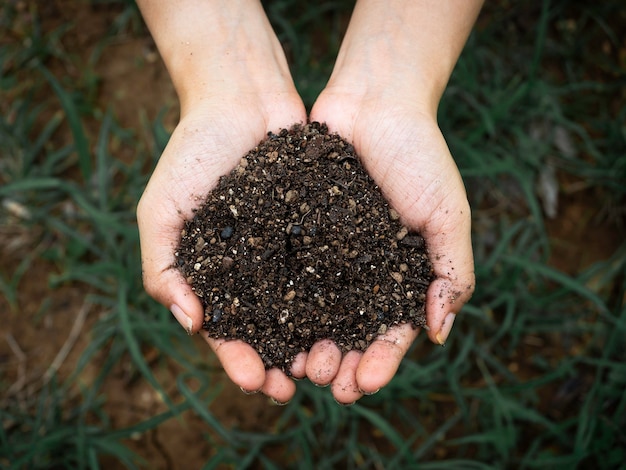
{"points": [[240, 361], [298, 366], [382, 358], [344, 386], [278, 386], [450, 251], [444, 300], [161, 280], [323, 362]]}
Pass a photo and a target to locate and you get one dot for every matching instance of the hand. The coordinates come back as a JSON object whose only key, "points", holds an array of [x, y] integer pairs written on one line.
{"points": [[402, 148], [208, 142], [391, 71], [234, 86]]}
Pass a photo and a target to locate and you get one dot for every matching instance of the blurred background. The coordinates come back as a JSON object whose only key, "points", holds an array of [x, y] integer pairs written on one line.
{"points": [[94, 374]]}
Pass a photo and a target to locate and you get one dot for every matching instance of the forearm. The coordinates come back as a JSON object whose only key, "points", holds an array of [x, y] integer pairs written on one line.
{"points": [[209, 46], [406, 47]]}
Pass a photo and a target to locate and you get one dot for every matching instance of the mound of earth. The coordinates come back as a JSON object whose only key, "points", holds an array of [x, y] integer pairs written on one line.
{"points": [[297, 244]]}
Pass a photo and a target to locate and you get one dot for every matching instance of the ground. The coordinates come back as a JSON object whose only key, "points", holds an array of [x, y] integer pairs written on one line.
{"points": [[48, 326]]}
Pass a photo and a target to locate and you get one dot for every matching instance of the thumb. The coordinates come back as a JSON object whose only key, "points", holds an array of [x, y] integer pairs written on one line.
{"points": [[159, 232], [450, 250]]}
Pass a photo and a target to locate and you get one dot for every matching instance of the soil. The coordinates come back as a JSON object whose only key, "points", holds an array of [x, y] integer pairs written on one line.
{"points": [[125, 66], [298, 244]]}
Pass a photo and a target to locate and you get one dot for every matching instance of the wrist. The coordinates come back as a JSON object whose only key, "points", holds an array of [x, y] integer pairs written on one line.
{"points": [[217, 49], [403, 50]]}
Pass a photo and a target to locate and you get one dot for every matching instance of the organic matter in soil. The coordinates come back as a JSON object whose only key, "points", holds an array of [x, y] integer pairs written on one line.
{"points": [[298, 244]]}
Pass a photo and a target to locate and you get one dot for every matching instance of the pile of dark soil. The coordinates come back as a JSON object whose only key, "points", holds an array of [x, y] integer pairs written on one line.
{"points": [[297, 244]]}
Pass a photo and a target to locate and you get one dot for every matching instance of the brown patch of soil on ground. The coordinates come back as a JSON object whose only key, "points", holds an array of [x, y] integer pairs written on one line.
{"points": [[26, 353], [574, 246], [296, 245], [185, 441]]}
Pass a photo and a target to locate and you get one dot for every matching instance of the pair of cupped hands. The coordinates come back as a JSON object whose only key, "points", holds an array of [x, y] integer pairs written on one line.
{"points": [[402, 148]]}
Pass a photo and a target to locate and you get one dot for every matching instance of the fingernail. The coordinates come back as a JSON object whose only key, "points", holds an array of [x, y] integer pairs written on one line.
{"points": [[320, 385], [248, 392], [185, 321], [442, 336], [370, 393], [279, 403], [344, 404]]}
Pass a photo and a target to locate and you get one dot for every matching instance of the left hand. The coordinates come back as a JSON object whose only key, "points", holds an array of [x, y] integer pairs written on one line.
{"points": [[402, 148]]}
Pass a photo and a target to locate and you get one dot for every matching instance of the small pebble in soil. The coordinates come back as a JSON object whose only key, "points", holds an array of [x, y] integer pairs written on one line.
{"points": [[297, 244]]}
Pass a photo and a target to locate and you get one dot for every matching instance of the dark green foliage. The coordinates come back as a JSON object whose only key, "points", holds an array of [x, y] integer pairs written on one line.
{"points": [[534, 373]]}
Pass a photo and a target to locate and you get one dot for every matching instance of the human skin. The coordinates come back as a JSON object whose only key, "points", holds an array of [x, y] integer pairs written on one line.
{"points": [[391, 71], [234, 86]]}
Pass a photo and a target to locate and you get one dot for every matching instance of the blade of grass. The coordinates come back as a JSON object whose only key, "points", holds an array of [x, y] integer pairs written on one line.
{"points": [[127, 330], [434, 438], [35, 184], [44, 136], [385, 428], [564, 280], [9, 285], [74, 120], [103, 162], [202, 410]]}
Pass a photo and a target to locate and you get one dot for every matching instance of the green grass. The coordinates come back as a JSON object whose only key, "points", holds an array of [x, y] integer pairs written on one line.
{"points": [[534, 372]]}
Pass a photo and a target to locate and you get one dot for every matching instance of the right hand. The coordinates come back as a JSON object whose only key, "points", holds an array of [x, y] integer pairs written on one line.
{"points": [[209, 142]]}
